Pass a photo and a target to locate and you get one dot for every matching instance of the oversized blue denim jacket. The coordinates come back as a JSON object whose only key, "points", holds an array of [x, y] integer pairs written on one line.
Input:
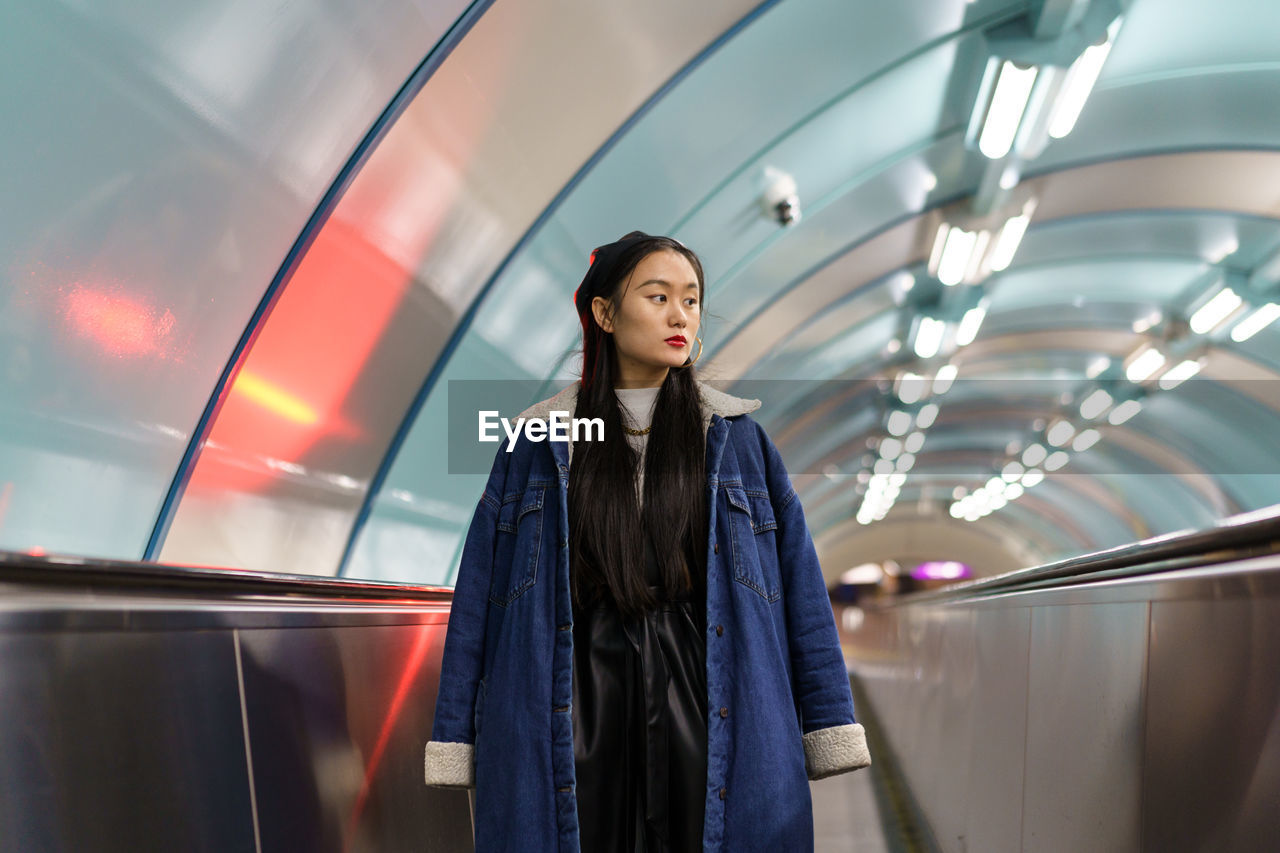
{"points": [[503, 712]]}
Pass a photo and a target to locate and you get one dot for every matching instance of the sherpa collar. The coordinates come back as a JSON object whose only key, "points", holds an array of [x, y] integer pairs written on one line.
{"points": [[714, 402]]}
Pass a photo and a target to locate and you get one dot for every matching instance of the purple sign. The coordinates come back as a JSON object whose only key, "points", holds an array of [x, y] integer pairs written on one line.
{"points": [[941, 570]]}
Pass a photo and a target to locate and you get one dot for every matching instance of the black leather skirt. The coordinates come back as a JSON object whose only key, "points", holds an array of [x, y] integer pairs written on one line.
{"points": [[640, 728]]}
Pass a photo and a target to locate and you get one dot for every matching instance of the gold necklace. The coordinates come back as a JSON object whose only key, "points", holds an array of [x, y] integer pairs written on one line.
{"points": [[631, 431]]}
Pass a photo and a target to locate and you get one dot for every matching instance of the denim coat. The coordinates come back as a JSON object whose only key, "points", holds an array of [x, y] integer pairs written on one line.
{"points": [[779, 708]]}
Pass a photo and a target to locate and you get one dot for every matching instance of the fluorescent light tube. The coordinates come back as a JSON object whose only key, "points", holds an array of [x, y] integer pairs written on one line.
{"points": [[1060, 433], [1255, 322], [1179, 373], [1013, 88], [956, 252], [1075, 91], [914, 442], [1008, 241], [1213, 312], [1124, 411], [1095, 404], [1086, 439], [899, 423], [969, 325], [1142, 367], [945, 376], [1034, 455], [929, 337]]}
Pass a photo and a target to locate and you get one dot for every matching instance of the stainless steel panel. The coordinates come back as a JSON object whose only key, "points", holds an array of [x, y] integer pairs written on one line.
{"points": [[1212, 772], [1083, 773], [993, 791], [337, 723], [955, 694], [122, 742]]}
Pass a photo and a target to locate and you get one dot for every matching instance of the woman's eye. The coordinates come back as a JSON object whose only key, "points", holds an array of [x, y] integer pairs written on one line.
{"points": [[661, 296], [692, 302]]}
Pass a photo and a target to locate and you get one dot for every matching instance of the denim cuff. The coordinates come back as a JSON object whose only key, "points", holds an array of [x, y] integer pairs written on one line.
{"points": [[838, 749], [450, 765]]}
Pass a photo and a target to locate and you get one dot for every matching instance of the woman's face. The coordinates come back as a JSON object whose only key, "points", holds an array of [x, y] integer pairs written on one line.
{"points": [[655, 325]]}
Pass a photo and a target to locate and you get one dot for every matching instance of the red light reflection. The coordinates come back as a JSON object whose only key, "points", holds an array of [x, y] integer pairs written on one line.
{"points": [[120, 325], [290, 391], [416, 656]]}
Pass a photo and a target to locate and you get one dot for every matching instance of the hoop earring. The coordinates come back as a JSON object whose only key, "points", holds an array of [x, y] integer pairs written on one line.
{"points": [[695, 360]]}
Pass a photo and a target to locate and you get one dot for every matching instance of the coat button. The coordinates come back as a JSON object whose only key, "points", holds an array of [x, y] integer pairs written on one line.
{"points": [[724, 792], [716, 547], [719, 630], [724, 712]]}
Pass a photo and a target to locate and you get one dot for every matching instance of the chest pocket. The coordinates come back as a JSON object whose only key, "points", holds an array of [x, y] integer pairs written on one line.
{"points": [[517, 545], [754, 542]]}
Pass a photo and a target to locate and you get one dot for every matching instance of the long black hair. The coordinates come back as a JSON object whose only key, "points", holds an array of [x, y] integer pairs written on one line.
{"points": [[606, 548]]}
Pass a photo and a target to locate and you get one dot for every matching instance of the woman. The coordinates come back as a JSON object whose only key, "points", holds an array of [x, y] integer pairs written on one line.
{"points": [[641, 654]]}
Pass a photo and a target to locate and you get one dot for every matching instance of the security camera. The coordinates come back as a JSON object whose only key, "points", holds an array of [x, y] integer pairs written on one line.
{"points": [[780, 200]]}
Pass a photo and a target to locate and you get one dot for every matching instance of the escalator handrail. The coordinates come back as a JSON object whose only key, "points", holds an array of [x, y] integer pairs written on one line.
{"points": [[1233, 538], [126, 575]]}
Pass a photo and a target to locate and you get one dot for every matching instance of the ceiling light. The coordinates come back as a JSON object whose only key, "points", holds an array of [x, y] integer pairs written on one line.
{"points": [[954, 257], [1147, 322], [929, 336], [1097, 366], [1008, 241], [1079, 83], [1009, 177], [890, 448], [867, 573], [1032, 477], [1056, 460], [911, 387], [1060, 433], [1213, 312], [975, 270], [884, 467], [1013, 491], [945, 376], [1008, 101], [926, 416], [914, 442], [1034, 455], [899, 423], [1255, 322], [969, 325], [1095, 404], [1011, 471], [1144, 365], [1124, 411], [1086, 439], [1179, 373], [905, 461]]}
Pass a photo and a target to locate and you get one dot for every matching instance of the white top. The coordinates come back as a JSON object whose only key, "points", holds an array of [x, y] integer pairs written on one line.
{"points": [[637, 412]]}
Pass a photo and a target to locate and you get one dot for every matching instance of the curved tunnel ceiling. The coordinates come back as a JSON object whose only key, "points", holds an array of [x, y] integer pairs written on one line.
{"points": [[453, 252]]}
